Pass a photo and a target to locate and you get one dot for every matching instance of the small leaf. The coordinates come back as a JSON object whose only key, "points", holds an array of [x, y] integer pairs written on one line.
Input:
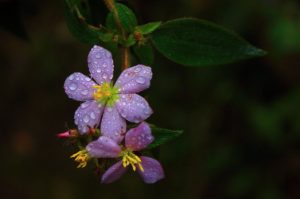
{"points": [[162, 136], [79, 27], [148, 28], [127, 18], [144, 53], [195, 42]]}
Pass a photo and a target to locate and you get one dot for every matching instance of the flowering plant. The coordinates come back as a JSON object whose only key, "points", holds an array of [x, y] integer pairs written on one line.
{"points": [[108, 110]]}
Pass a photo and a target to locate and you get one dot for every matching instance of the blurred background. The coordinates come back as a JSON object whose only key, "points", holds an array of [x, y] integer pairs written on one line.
{"points": [[241, 121]]}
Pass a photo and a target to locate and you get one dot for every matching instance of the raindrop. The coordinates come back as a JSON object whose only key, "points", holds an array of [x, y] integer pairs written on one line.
{"points": [[84, 105], [147, 111], [140, 80], [86, 119], [108, 55], [98, 70], [84, 92], [71, 77], [92, 115], [73, 87], [104, 76], [137, 69]]}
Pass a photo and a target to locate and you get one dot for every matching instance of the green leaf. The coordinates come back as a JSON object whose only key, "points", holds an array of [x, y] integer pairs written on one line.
{"points": [[195, 42], [76, 18], [148, 28], [162, 136], [144, 53], [127, 18]]}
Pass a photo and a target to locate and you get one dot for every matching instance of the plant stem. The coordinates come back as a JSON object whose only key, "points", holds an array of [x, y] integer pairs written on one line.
{"points": [[110, 4]]}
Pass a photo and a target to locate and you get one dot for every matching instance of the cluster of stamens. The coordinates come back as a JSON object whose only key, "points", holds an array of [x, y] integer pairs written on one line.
{"points": [[81, 157], [105, 94], [129, 158]]}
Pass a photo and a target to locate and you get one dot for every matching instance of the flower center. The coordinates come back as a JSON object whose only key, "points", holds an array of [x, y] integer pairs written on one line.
{"points": [[82, 157], [129, 158], [106, 94]]}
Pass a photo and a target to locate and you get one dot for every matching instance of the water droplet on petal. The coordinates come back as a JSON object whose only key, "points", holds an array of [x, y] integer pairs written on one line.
{"points": [[98, 70], [92, 115], [86, 119], [140, 80], [104, 65], [84, 92], [137, 69], [72, 86], [107, 54], [87, 79], [95, 62], [104, 76], [98, 56], [84, 105], [147, 111], [71, 77], [109, 109]]}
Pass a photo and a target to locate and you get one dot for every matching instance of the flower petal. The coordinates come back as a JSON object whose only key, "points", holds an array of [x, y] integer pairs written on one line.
{"points": [[112, 124], [88, 115], [139, 137], [113, 173], [133, 107], [79, 87], [134, 79], [153, 170], [100, 64], [104, 147]]}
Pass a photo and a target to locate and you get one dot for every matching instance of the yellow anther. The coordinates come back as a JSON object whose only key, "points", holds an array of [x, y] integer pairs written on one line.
{"points": [[129, 158], [82, 157]]}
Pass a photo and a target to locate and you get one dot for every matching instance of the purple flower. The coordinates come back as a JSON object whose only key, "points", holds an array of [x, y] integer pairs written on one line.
{"points": [[136, 139], [115, 102]]}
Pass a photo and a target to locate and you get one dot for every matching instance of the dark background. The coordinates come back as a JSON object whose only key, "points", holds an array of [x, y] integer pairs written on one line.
{"points": [[241, 121]]}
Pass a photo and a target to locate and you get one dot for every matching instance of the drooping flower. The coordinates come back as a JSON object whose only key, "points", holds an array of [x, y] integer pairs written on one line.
{"points": [[115, 102], [136, 139]]}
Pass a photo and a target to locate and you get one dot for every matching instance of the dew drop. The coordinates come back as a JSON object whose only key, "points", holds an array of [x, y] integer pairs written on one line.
{"points": [[104, 65], [107, 54], [84, 105], [95, 62], [98, 70], [84, 92], [147, 111], [86, 119], [92, 115], [71, 77], [104, 76], [140, 80], [137, 69], [73, 87]]}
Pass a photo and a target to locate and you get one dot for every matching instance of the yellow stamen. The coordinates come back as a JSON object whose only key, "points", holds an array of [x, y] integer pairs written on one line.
{"points": [[82, 157], [129, 158]]}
